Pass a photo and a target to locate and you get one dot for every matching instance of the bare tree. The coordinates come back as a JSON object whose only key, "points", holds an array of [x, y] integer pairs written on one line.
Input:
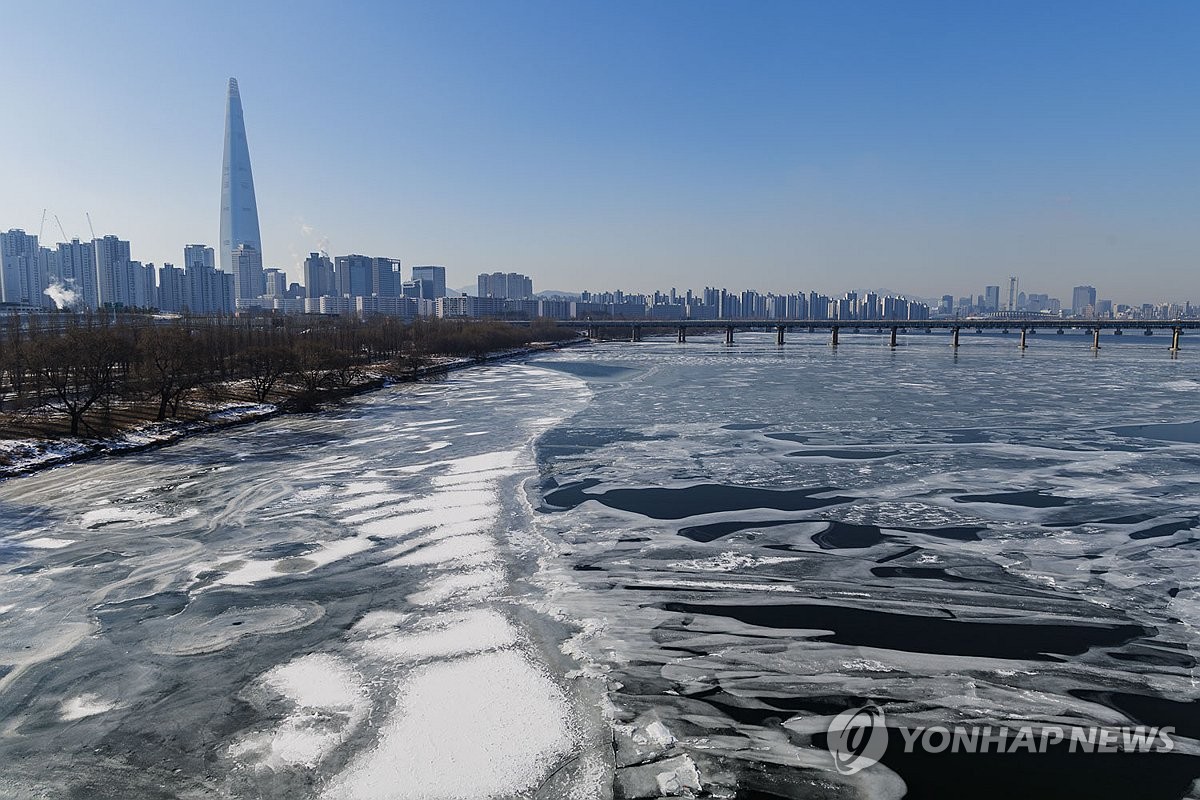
{"points": [[170, 365], [79, 368], [264, 366], [312, 365]]}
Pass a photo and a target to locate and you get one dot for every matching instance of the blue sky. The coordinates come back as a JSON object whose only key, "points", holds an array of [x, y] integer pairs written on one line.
{"points": [[921, 146]]}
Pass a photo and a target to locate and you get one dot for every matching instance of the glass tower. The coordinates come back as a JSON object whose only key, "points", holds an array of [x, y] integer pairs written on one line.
{"points": [[239, 209]]}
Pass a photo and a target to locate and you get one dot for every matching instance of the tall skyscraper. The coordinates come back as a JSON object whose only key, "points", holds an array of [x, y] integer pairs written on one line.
{"points": [[385, 277], [318, 276], [991, 298], [432, 279], [1083, 300], [239, 209], [353, 276]]}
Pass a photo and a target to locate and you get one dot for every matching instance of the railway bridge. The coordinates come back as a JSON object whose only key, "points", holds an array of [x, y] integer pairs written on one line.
{"points": [[1025, 326]]}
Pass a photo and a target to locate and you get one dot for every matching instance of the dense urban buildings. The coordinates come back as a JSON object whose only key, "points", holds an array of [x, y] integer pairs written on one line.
{"points": [[102, 274]]}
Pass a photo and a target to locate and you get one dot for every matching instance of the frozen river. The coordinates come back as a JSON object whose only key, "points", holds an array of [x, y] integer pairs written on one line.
{"points": [[453, 589]]}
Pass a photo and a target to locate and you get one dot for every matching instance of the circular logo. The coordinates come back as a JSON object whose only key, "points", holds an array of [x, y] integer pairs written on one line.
{"points": [[857, 739]]}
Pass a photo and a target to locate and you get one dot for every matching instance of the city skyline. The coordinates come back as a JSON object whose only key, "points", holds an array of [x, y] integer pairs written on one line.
{"points": [[925, 148]]}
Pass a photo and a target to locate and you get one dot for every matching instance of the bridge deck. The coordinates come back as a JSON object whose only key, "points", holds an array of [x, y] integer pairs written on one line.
{"points": [[1032, 324]]}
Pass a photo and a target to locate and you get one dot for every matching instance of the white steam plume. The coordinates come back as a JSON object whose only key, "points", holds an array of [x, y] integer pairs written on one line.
{"points": [[63, 293]]}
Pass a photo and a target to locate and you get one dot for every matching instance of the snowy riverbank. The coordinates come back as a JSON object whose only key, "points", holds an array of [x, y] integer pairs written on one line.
{"points": [[21, 456]]}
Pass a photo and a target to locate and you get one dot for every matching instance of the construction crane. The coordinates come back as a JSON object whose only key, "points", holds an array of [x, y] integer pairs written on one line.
{"points": [[43, 226], [60, 229], [90, 228]]}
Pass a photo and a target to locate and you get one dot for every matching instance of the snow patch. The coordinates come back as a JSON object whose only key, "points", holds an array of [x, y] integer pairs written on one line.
{"points": [[491, 724], [47, 543], [472, 548], [88, 704], [329, 703], [469, 586], [444, 635]]}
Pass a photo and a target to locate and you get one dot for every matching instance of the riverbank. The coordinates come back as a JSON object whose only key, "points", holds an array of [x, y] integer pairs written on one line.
{"points": [[21, 456]]}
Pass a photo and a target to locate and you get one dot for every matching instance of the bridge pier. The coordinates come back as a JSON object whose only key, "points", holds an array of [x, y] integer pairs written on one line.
{"points": [[1175, 334], [892, 343], [682, 334], [954, 337], [1096, 338], [834, 336], [1024, 333], [779, 335], [635, 333], [729, 335]]}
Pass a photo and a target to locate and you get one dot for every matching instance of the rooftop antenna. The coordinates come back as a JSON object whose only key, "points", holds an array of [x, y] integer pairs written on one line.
{"points": [[90, 228]]}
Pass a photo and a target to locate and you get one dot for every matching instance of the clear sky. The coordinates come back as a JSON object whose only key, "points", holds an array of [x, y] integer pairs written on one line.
{"points": [[927, 147]]}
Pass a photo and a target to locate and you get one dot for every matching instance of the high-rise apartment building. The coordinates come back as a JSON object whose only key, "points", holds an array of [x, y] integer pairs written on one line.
{"points": [[21, 277], [206, 289], [275, 283], [114, 272], [507, 286], [200, 255], [239, 208], [249, 280], [76, 265], [171, 283]]}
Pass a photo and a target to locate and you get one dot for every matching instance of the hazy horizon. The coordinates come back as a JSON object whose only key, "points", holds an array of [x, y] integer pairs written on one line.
{"points": [[927, 147]]}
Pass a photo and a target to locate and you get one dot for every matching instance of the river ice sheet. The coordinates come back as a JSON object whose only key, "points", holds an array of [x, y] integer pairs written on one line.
{"points": [[760, 538], [322, 605]]}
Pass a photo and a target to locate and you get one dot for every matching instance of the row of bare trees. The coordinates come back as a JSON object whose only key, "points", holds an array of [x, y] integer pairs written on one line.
{"points": [[82, 364]]}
